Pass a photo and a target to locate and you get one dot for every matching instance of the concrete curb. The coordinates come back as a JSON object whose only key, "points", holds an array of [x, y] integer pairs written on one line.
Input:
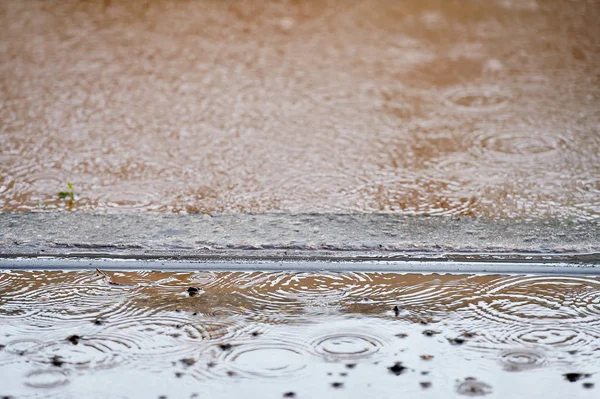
{"points": [[306, 237]]}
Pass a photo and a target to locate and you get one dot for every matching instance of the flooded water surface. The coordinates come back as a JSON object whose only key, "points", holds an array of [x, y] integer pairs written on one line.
{"points": [[293, 334], [483, 108]]}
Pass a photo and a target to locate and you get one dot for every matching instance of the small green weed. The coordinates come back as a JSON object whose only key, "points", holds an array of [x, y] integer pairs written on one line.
{"points": [[68, 194]]}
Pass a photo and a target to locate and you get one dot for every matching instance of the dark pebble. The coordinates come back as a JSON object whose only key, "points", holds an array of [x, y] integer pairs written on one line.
{"points": [[573, 377], [289, 395], [98, 322], [430, 333], [424, 372], [343, 374], [588, 385], [255, 333], [457, 341], [187, 361], [425, 384], [350, 365], [467, 334], [57, 361], [162, 397], [397, 368], [211, 364], [2, 347], [178, 374], [401, 335], [74, 339], [230, 373], [193, 291], [195, 314], [225, 347], [337, 384]]}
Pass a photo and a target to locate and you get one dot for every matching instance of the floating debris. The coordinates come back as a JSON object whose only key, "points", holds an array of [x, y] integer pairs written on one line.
{"points": [[110, 280], [573, 377], [188, 361], [472, 387], [74, 339], [456, 341], [397, 368], [57, 361]]}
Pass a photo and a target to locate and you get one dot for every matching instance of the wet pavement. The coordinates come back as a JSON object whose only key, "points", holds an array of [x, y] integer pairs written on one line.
{"points": [[141, 334], [479, 108]]}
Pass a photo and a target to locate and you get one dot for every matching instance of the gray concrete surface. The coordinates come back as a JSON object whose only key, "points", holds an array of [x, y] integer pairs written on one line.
{"points": [[307, 237]]}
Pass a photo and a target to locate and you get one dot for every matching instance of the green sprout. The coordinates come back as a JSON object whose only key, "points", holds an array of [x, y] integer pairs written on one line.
{"points": [[69, 194]]}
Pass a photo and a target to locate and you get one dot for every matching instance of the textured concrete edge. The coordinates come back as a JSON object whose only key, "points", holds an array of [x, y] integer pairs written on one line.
{"points": [[296, 237], [299, 266]]}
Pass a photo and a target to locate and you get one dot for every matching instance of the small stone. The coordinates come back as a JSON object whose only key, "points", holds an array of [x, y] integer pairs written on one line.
{"points": [[178, 374], [225, 347], [350, 365], [457, 341], [397, 368], [193, 291], [57, 361], [401, 335], [74, 339], [588, 385], [425, 384], [573, 377], [426, 357], [430, 333], [337, 384], [289, 394], [188, 361]]}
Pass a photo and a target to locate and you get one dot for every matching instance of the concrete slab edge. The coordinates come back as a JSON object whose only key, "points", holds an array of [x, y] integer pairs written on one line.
{"points": [[297, 237]]}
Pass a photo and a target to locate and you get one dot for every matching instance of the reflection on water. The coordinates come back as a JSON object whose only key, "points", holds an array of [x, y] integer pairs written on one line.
{"points": [[270, 333], [484, 108]]}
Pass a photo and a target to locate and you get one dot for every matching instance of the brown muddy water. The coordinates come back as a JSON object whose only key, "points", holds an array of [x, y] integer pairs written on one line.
{"points": [[485, 108], [257, 334]]}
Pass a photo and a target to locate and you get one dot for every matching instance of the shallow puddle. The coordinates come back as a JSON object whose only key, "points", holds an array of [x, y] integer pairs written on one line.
{"points": [[473, 107], [295, 334]]}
